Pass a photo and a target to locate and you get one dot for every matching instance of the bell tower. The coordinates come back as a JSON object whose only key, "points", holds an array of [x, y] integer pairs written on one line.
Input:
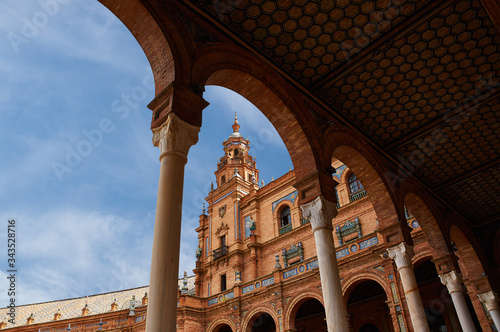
{"points": [[236, 162]]}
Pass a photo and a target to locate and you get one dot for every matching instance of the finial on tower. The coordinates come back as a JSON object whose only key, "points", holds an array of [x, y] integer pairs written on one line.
{"points": [[236, 126]]}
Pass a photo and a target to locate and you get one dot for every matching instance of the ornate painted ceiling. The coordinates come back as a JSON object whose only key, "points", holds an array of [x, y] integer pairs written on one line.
{"points": [[419, 78]]}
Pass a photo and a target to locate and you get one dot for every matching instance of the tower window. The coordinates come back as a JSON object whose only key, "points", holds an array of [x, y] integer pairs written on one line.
{"points": [[223, 179], [354, 184], [223, 285], [236, 153], [285, 216]]}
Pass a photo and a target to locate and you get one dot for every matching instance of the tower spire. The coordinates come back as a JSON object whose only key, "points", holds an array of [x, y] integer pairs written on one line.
{"points": [[236, 126]]}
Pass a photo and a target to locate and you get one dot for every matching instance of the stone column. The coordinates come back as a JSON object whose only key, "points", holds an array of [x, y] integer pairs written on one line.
{"points": [[453, 281], [320, 212], [490, 301], [174, 138], [402, 254]]}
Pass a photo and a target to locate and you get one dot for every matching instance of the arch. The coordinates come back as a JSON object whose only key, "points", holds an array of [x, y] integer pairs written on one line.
{"points": [[168, 63], [239, 71], [350, 282], [357, 155], [311, 315], [429, 217], [369, 327], [285, 216], [354, 183], [366, 301], [469, 261], [247, 323], [420, 256], [219, 323], [294, 304]]}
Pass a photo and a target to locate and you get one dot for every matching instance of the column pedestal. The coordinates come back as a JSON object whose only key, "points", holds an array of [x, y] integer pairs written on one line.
{"points": [[490, 300], [320, 212], [174, 138], [453, 282], [402, 254]]}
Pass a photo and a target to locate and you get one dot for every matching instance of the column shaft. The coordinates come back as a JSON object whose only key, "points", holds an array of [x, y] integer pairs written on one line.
{"points": [[174, 138], [320, 212], [463, 313], [453, 282], [402, 256]]}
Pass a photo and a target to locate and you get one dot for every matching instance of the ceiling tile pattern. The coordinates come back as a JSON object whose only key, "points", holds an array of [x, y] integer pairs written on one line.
{"points": [[398, 70], [463, 142], [310, 38], [425, 73], [476, 198]]}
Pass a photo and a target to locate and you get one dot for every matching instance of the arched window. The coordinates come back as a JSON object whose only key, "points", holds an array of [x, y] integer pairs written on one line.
{"points": [[354, 184], [223, 180], [285, 217]]}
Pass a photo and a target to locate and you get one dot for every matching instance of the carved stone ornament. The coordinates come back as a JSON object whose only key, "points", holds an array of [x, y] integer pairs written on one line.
{"points": [[452, 281], [320, 213], [175, 136], [490, 300], [222, 211], [401, 254]]}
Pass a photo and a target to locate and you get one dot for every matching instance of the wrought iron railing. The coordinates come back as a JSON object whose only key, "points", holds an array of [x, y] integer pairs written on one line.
{"points": [[220, 252], [304, 221], [357, 195], [285, 229]]}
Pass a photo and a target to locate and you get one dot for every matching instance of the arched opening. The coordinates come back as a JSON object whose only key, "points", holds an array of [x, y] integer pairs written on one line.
{"points": [[437, 302], [368, 328], [416, 209], [366, 178], [223, 328], [367, 308], [261, 322], [285, 218], [311, 316], [472, 270], [354, 184]]}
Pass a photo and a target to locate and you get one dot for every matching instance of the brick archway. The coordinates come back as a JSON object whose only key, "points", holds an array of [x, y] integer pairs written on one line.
{"points": [[349, 283], [257, 82], [357, 155], [168, 63], [216, 325], [469, 261], [249, 320], [294, 305], [373, 310], [429, 217]]}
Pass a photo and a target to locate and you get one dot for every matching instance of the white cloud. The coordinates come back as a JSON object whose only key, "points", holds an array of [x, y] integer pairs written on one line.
{"points": [[68, 253]]}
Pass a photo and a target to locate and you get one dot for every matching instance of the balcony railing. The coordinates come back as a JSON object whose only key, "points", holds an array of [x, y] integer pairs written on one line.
{"points": [[285, 229], [220, 252], [357, 195], [304, 221]]}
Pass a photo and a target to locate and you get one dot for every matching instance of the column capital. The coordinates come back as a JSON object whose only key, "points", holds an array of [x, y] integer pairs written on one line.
{"points": [[175, 136], [452, 280], [490, 300], [320, 213], [401, 254]]}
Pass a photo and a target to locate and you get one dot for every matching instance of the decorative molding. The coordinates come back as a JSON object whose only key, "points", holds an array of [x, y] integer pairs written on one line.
{"points": [[175, 136], [320, 212], [452, 281], [401, 254]]}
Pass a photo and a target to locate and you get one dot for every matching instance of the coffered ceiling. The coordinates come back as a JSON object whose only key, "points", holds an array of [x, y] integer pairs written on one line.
{"points": [[419, 78]]}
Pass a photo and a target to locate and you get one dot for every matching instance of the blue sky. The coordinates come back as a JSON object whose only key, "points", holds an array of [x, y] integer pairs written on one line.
{"points": [[78, 169]]}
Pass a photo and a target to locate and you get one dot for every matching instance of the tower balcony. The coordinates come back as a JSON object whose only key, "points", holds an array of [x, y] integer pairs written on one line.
{"points": [[220, 252]]}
